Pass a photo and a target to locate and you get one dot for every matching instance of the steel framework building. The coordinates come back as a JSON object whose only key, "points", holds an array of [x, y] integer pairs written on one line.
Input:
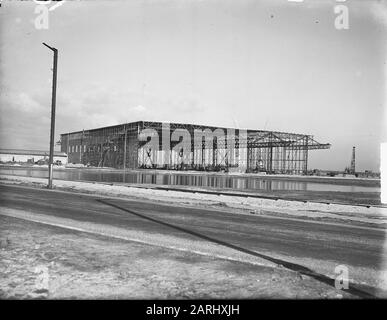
{"points": [[145, 144]]}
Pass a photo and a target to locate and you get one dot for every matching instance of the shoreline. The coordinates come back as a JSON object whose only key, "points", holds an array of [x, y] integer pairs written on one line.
{"points": [[371, 182]]}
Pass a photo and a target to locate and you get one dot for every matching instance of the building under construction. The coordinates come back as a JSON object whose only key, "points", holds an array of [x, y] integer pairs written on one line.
{"points": [[176, 146]]}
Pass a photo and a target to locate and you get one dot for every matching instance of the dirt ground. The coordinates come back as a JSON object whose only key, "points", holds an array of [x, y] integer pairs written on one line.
{"points": [[44, 262]]}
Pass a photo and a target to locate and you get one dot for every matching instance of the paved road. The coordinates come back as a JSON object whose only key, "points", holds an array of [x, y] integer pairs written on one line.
{"points": [[315, 245]]}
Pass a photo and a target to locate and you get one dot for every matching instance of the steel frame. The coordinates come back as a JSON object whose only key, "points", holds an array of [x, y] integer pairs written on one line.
{"points": [[260, 151]]}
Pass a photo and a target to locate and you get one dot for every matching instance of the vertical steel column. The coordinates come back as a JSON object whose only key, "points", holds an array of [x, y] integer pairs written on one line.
{"points": [[126, 136], [80, 151], [306, 157]]}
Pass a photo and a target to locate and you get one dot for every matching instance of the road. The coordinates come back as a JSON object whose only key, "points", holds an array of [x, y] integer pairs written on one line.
{"points": [[309, 247]]}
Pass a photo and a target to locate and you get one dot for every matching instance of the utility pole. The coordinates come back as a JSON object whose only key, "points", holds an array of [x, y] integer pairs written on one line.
{"points": [[53, 104]]}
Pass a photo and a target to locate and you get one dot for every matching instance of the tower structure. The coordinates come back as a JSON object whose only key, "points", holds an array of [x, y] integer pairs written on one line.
{"points": [[353, 167]]}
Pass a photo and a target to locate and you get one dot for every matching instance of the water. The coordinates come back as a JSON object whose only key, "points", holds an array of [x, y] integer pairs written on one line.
{"points": [[181, 179]]}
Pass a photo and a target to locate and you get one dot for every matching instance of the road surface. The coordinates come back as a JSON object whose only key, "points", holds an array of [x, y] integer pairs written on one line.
{"points": [[310, 247]]}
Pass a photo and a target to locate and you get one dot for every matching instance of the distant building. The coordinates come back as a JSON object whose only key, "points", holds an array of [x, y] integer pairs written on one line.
{"points": [[179, 146], [30, 156]]}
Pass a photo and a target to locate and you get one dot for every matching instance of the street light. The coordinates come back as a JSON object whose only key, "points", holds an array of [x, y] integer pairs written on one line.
{"points": [[53, 103]]}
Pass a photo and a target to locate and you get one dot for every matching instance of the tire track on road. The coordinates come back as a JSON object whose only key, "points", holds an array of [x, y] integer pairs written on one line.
{"points": [[353, 289]]}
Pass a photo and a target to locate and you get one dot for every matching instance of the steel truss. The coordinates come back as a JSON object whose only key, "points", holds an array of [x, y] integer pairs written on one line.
{"points": [[227, 148]]}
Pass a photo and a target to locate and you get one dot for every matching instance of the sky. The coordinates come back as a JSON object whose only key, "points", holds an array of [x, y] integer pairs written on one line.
{"points": [[255, 64]]}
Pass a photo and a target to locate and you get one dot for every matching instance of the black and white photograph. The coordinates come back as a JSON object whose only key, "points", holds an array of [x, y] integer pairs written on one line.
{"points": [[201, 151]]}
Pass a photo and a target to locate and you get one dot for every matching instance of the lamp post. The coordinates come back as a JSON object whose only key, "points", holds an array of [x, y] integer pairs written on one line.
{"points": [[53, 103]]}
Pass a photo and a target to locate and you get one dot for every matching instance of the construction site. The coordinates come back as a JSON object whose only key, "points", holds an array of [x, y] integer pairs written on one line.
{"points": [[174, 146]]}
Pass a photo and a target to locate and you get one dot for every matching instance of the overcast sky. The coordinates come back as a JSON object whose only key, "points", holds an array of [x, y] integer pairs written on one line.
{"points": [[269, 64]]}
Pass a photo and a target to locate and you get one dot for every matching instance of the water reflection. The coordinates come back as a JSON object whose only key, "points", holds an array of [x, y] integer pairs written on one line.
{"points": [[196, 180]]}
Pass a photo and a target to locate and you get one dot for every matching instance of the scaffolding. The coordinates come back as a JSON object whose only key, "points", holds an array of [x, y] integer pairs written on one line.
{"points": [[175, 146]]}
